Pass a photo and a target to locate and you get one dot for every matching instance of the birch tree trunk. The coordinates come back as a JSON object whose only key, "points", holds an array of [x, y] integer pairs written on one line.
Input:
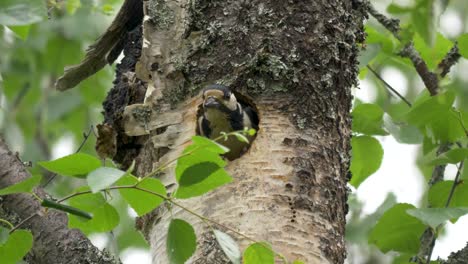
{"points": [[296, 62]]}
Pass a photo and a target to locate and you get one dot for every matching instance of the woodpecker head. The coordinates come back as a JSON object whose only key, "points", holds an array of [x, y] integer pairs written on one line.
{"points": [[219, 98], [222, 113]]}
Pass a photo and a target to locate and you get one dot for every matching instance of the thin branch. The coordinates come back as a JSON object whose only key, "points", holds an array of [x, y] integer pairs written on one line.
{"points": [[391, 24], [429, 78], [454, 185], [389, 86], [88, 192], [21, 94], [86, 136], [164, 197], [450, 59], [447, 204], [195, 213], [438, 171], [22, 222]]}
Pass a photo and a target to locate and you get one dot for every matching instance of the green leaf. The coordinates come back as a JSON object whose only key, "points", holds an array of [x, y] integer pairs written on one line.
{"points": [[452, 156], [423, 21], [435, 117], [358, 227], [72, 6], [464, 172], [229, 246], [398, 231], [298, 262], [181, 241], [463, 45], [403, 259], [433, 217], [251, 132], [202, 169], [397, 9], [206, 144], [368, 54], [386, 41], [142, 202], [17, 246], [21, 31], [259, 253], [24, 186], [22, 12], [107, 9], [200, 178], [402, 131], [439, 193], [367, 154], [105, 217], [76, 165], [4, 234], [432, 55], [103, 177], [368, 119], [241, 138]]}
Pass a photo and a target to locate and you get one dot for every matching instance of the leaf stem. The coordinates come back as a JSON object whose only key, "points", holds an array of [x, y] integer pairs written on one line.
{"points": [[36, 196], [7, 223]]}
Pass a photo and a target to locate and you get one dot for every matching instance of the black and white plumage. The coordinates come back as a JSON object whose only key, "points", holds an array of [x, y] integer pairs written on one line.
{"points": [[221, 112]]}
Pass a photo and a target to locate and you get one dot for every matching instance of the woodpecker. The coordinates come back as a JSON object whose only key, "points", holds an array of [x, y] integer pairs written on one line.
{"points": [[221, 112]]}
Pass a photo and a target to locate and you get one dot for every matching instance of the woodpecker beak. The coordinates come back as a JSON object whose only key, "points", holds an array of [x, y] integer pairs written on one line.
{"points": [[210, 102]]}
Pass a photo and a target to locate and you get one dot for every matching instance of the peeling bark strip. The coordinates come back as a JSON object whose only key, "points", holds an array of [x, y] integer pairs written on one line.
{"points": [[53, 241], [296, 61]]}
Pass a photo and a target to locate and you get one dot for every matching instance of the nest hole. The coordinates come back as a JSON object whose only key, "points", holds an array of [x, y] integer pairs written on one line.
{"points": [[245, 102]]}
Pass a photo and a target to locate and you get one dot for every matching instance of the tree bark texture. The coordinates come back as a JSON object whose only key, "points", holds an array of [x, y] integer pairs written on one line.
{"points": [[296, 62], [53, 241]]}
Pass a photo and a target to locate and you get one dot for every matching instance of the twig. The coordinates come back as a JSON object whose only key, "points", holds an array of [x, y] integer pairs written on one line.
{"points": [[438, 171], [429, 78], [447, 203], [164, 197], [389, 86], [391, 24], [88, 192], [455, 183], [86, 136], [195, 213], [24, 90], [450, 59], [22, 222]]}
